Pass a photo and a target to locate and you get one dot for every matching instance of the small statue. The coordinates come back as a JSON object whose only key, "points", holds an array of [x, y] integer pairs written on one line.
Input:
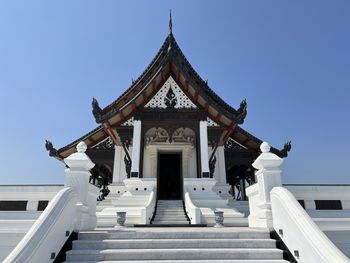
{"points": [[96, 110], [286, 148], [242, 111], [49, 147]]}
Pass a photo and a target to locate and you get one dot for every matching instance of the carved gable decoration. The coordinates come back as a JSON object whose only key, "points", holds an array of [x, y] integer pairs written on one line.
{"points": [[170, 96], [212, 123], [129, 122], [232, 144], [106, 144]]}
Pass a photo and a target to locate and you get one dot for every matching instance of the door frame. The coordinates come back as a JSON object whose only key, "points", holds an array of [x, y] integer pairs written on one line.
{"points": [[158, 171]]}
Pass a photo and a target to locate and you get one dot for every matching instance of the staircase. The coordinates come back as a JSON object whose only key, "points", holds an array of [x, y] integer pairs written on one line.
{"points": [[170, 212], [165, 245]]}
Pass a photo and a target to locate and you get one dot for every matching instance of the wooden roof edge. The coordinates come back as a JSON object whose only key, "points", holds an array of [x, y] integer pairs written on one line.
{"points": [[283, 153], [59, 153]]}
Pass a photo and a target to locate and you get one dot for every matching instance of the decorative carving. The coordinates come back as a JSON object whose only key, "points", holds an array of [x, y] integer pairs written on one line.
{"points": [[104, 192], [170, 99], [159, 135], [286, 148], [49, 147], [231, 144], [179, 135], [219, 218], [182, 101], [106, 144], [127, 159], [212, 163], [129, 122], [170, 134], [242, 111], [211, 123], [96, 110]]}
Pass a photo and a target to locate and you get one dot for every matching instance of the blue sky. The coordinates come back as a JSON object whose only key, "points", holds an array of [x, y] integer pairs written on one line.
{"points": [[289, 59]]}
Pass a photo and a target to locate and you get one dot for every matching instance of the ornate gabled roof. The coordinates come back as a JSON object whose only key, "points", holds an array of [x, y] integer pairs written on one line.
{"points": [[168, 62]]}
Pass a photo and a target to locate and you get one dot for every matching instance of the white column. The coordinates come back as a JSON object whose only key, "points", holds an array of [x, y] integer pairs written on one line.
{"points": [[268, 176], [153, 161], [203, 136], [220, 168], [136, 149], [119, 173]]}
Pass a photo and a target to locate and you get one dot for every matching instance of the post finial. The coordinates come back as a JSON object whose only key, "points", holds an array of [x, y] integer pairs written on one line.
{"points": [[170, 23]]}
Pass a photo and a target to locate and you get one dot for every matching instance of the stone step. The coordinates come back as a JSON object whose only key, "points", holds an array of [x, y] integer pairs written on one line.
{"points": [[191, 233], [173, 243], [170, 222], [189, 261], [174, 254], [170, 210], [174, 218]]}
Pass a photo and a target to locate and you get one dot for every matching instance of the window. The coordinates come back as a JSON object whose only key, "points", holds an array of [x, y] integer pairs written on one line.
{"points": [[13, 205], [42, 205], [302, 203], [328, 205]]}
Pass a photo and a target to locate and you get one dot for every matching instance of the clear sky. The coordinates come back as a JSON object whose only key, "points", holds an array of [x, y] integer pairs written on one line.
{"points": [[289, 59]]}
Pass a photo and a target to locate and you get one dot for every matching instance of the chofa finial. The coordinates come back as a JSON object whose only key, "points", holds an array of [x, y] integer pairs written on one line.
{"points": [[170, 23]]}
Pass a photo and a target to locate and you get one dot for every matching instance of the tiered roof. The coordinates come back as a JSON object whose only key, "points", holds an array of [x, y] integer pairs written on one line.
{"points": [[169, 61]]}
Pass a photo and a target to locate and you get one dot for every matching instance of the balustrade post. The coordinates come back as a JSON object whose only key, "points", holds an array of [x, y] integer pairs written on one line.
{"points": [[268, 176], [77, 177]]}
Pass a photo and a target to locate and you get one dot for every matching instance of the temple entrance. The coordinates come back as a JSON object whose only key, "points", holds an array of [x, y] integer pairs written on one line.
{"points": [[169, 176]]}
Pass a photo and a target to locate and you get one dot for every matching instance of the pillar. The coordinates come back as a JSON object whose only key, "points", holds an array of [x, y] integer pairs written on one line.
{"points": [[220, 168], [136, 149], [203, 137], [77, 177], [268, 176], [119, 173]]}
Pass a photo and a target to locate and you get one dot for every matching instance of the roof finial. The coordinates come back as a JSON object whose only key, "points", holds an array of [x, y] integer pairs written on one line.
{"points": [[170, 24]]}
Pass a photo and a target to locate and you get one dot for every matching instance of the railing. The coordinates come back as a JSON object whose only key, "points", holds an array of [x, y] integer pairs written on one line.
{"points": [[299, 232], [148, 210], [48, 234], [193, 212]]}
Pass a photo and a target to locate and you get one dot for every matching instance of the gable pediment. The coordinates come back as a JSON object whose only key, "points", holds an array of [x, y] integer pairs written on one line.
{"points": [[170, 95]]}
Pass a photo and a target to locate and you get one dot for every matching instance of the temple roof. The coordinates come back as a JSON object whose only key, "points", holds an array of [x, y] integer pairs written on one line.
{"points": [[168, 62]]}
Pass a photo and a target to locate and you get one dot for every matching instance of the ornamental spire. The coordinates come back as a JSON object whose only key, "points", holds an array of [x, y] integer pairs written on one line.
{"points": [[170, 24]]}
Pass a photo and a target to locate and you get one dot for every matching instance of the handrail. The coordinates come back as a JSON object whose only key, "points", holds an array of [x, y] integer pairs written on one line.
{"points": [[148, 210], [48, 234], [299, 232], [193, 212]]}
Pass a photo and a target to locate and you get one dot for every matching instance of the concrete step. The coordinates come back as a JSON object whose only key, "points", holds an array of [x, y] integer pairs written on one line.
{"points": [[171, 212], [175, 218], [170, 222], [190, 233], [173, 243], [172, 254], [188, 261]]}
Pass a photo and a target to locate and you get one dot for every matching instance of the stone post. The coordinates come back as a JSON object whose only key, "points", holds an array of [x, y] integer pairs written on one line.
{"points": [[268, 176], [136, 149], [203, 136], [77, 177]]}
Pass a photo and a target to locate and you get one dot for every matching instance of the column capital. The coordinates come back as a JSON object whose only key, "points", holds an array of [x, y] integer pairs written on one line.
{"points": [[79, 160]]}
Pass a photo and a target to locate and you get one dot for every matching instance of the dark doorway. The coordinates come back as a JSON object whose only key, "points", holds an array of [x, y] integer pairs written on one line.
{"points": [[169, 176]]}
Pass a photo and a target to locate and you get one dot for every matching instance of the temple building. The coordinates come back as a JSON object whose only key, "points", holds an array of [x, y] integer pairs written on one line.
{"points": [[171, 126], [169, 175]]}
